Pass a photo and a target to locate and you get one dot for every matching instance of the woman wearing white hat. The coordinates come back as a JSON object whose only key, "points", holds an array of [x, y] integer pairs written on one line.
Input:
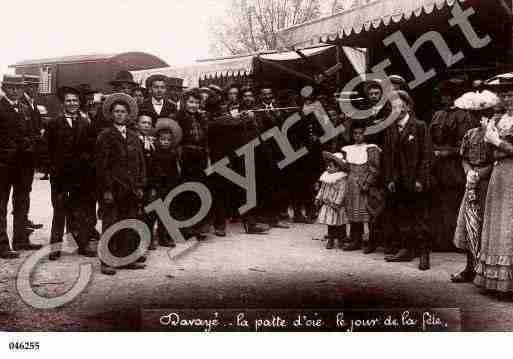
{"points": [[494, 269]]}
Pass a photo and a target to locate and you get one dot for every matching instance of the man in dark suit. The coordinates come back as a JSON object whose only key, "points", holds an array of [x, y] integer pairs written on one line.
{"points": [[70, 155], [16, 143], [407, 161], [121, 176], [33, 117], [157, 106]]}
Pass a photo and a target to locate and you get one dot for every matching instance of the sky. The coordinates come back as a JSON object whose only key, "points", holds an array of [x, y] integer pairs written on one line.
{"points": [[174, 30]]}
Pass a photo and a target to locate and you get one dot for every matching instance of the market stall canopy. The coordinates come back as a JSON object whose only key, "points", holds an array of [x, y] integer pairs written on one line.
{"points": [[371, 16], [249, 64]]}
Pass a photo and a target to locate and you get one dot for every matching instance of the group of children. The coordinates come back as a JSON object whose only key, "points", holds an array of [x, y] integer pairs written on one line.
{"points": [[349, 193]]}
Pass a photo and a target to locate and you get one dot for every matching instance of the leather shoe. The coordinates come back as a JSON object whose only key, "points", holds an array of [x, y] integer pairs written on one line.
{"points": [[467, 276], [352, 246], [424, 262], [86, 252], [368, 248], [403, 255], [141, 259], [105, 269], [331, 243], [391, 251], [220, 232], [33, 225], [8, 254], [134, 266], [254, 229], [168, 244], [27, 247], [54, 255], [300, 219], [279, 225]]}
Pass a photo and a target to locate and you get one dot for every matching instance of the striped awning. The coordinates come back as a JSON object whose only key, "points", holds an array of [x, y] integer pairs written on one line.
{"points": [[363, 18]]}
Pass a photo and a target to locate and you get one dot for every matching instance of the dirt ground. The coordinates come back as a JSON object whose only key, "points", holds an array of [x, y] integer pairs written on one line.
{"points": [[286, 269]]}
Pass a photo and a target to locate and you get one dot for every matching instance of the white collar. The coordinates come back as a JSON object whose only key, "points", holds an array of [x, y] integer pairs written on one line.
{"points": [[157, 102], [403, 121], [358, 154], [331, 178], [12, 103], [120, 128]]}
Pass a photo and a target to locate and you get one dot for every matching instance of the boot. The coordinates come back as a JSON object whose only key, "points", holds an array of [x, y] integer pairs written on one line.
{"points": [[105, 269], [368, 245], [342, 241], [331, 243], [404, 255], [424, 261]]}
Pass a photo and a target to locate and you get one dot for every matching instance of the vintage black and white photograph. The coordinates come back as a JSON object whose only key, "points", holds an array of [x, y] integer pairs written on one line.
{"points": [[256, 166]]}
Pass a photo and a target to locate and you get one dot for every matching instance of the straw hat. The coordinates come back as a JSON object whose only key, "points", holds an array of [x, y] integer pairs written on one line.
{"points": [[120, 97], [167, 124], [337, 157]]}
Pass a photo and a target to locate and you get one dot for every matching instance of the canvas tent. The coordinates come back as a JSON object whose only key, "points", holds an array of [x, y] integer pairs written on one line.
{"points": [[266, 66]]}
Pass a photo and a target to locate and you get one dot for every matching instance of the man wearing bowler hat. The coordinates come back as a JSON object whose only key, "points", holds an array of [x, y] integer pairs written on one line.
{"points": [[14, 146], [69, 147], [123, 82], [175, 90], [157, 106]]}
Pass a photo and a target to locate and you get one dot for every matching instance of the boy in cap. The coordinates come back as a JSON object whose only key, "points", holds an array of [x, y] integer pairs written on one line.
{"points": [[121, 175]]}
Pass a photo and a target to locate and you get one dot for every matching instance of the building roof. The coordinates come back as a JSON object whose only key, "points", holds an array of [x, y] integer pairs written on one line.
{"points": [[65, 60]]}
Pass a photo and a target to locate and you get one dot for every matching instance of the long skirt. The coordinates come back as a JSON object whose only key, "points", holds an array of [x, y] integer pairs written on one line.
{"points": [[467, 235], [495, 261]]}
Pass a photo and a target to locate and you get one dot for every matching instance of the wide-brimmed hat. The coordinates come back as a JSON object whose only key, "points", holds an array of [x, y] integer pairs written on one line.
{"points": [[13, 80], [397, 80], [367, 85], [120, 97], [205, 90], [156, 77], [86, 89], [336, 157], [64, 90], [167, 124], [31, 80], [123, 77], [175, 82], [477, 101]]}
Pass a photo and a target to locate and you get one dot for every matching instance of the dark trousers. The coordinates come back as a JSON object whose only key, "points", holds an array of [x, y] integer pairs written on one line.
{"points": [[68, 207], [410, 212], [12, 177], [27, 177], [126, 241]]}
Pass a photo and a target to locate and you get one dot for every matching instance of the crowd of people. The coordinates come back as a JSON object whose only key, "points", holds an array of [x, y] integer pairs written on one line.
{"points": [[414, 187]]}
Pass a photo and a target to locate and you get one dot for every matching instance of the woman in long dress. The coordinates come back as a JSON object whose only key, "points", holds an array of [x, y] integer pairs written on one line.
{"points": [[494, 270]]}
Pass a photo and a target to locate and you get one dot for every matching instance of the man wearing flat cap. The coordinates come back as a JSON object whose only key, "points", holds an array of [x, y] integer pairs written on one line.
{"points": [[157, 106], [70, 153], [15, 145]]}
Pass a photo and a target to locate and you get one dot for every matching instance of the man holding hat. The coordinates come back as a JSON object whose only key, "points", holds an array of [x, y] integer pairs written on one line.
{"points": [[16, 143], [70, 155], [157, 106]]}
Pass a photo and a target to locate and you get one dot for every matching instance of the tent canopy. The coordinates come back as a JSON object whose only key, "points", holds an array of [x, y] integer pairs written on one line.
{"points": [[260, 65], [359, 20]]}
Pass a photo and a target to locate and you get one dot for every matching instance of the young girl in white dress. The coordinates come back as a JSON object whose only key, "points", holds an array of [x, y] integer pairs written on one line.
{"points": [[331, 198]]}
